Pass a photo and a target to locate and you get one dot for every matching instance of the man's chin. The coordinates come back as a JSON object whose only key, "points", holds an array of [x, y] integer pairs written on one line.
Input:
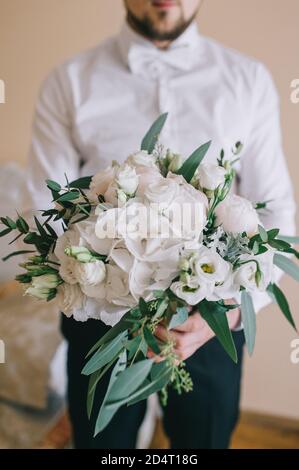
{"points": [[158, 32]]}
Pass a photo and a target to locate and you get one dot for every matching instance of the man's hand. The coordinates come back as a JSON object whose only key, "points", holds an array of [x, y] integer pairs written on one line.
{"points": [[194, 333]]}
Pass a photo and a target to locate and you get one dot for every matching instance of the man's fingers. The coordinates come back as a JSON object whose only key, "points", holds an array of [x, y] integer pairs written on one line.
{"points": [[182, 339], [195, 322]]}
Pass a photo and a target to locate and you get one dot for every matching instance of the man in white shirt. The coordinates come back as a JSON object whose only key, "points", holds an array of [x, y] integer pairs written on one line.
{"points": [[95, 108]]}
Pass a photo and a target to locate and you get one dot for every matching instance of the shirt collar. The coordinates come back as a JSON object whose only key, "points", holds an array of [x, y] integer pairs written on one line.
{"points": [[127, 38]]}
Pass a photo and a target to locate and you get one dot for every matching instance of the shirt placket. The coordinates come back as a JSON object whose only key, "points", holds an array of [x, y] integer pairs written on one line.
{"points": [[166, 105]]}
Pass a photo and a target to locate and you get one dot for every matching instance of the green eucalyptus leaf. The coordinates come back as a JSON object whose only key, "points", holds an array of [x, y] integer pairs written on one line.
{"points": [[263, 234], [215, 315], [151, 137], [106, 414], [105, 354], [249, 320], [287, 265], [276, 293], [69, 196], [159, 381], [53, 185], [4, 232], [129, 380], [190, 165], [288, 239], [17, 253], [151, 340], [179, 317], [113, 332], [81, 183]]}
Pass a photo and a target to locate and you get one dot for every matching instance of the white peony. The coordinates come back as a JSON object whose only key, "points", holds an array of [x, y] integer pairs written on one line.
{"points": [[117, 287], [127, 179], [236, 215], [188, 211], [141, 158], [90, 274], [210, 176]]}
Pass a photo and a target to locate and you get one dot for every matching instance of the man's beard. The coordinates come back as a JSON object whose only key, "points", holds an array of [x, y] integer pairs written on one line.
{"points": [[146, 27]]}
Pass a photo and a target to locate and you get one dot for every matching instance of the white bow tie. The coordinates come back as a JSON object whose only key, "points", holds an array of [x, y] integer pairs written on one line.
{"points": [[152, 62]]}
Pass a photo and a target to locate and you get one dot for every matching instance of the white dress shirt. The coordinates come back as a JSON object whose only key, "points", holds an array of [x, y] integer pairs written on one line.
{"points": [[97, 106]]}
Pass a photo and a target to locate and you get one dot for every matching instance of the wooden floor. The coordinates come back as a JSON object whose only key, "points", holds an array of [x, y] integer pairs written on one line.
{"points": [[253, 432]]}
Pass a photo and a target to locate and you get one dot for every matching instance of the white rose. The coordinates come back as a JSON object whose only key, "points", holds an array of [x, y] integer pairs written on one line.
{"points": [[70, 298], [236, 215], [127, 179], [210, 176], [162, 192], [100, 182], [147, 176], [90, 274], [70, 238], [141, 158], [87, 230], [111, 195]]}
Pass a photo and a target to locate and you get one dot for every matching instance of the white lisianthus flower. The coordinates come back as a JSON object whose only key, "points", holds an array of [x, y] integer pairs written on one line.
{"points": [[209, 267], [192, 292], [141, 158], [237, 215], [256, 272], [127, 179], [210, 176], [90, 274], [100, 182]]}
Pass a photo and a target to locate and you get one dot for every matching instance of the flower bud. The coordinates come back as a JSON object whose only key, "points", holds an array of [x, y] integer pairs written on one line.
{"points": [[184, 264], [80, 253]]}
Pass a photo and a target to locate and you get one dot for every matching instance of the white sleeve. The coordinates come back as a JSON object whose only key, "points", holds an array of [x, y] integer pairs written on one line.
{"points": [[53, 153], [263, 170]]}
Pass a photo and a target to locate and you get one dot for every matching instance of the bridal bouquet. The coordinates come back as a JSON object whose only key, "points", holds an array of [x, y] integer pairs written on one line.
{"points": [[140, 243]]}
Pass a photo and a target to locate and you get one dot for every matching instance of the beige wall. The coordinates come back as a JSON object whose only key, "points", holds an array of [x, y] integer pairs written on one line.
{"points": [[37, 34]]}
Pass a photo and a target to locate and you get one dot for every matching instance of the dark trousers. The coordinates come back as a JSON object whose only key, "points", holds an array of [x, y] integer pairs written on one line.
{"points": [[202, 419]]}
